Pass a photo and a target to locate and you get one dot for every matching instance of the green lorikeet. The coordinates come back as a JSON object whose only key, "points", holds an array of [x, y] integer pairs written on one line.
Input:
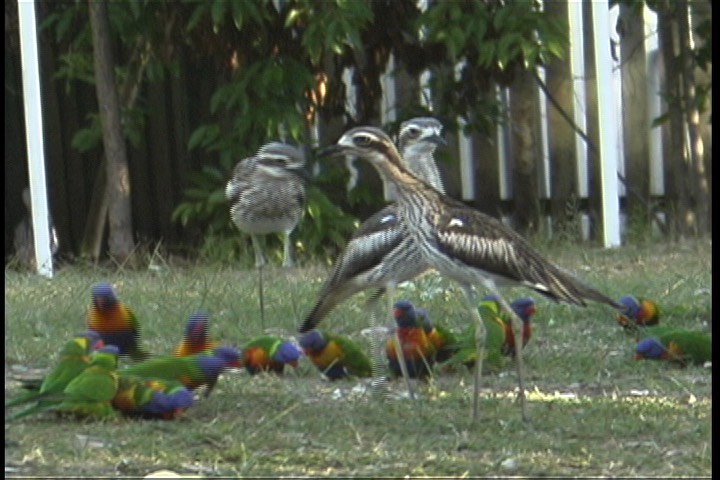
{"points": [[151, 398], [417, 348], [639, 312], [196, 337], [269, 353], [335, 356], [74, 358], [87, 395], [525, 309], [676, 345], [495, 340], [115, 322], [194, 371]]}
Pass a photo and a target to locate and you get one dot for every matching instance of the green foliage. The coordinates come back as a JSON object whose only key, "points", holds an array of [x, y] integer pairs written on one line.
{"points": [[491, 41], [139, 26], [495, 35], [205, 202], [330, 26], [266, 96]]}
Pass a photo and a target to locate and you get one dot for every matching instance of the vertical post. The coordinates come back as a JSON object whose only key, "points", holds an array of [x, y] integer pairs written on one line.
{"points": [[607, 122], [34, 137]]}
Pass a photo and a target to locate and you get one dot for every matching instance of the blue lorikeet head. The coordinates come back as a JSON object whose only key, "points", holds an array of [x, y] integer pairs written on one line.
{"points": [[651, 348], [632, 306], [288, 352], [404, 313], [524, 308], [103, 296], [230, 356], [313, 341], [213, 365], [164, 403], [197, 325]]}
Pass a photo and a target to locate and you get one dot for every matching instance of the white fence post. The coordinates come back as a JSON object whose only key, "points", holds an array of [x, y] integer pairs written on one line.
{"points": [[34, 137]]}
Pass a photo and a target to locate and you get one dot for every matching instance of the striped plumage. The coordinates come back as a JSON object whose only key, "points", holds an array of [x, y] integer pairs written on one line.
{"points": [[267, 195], [381, 251], [460, 242], [463, 243]]}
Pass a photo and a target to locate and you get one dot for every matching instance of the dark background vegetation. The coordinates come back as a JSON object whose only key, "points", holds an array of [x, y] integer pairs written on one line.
{"points": [[204, 84]]}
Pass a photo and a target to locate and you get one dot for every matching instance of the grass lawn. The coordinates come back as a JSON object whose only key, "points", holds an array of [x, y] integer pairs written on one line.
{"points": [[593, 409]]}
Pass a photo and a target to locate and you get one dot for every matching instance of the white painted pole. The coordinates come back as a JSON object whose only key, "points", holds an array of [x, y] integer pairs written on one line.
{"points": [[608, 148], [577, 69], [34, 137]]}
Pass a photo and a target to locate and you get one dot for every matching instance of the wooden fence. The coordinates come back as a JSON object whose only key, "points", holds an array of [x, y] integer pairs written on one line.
{"points": [[178, 105]]}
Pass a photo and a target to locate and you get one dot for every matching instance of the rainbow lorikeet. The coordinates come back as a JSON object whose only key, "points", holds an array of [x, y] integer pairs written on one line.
{"points": [[335, 356], [151, 398], [676, 345], [194, 371], [417, 348], [269, 353], [196, 337], [525, 309], [443, 340], [639, 312], [115, 322], [495, 340], [87, 395], [74, 358]]}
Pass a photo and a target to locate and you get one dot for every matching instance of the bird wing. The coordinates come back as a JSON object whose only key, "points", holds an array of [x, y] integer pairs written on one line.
{"points": [[485, 243], [355, 360]]}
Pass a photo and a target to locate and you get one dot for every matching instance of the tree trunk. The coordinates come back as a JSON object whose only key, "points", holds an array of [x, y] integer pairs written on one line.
{"points": [[635, 111], [677, 188], [524, 150], [561, 141], [699, 188], [121, 243]]}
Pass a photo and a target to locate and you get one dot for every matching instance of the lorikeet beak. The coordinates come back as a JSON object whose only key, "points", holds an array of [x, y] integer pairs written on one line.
{"points": [[397, 313], [639, 356], [293, 363]]}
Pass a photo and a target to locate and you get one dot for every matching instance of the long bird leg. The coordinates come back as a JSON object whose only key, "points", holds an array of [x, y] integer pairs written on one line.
{"points": [[480, 337], [259, 264], [390, 294], [517, 324], [288, 260], [378, 382]]}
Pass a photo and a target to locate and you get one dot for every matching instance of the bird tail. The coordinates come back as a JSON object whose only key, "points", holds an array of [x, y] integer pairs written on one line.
{"points": [[40, 406], [22, 399], [562, 286]]}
